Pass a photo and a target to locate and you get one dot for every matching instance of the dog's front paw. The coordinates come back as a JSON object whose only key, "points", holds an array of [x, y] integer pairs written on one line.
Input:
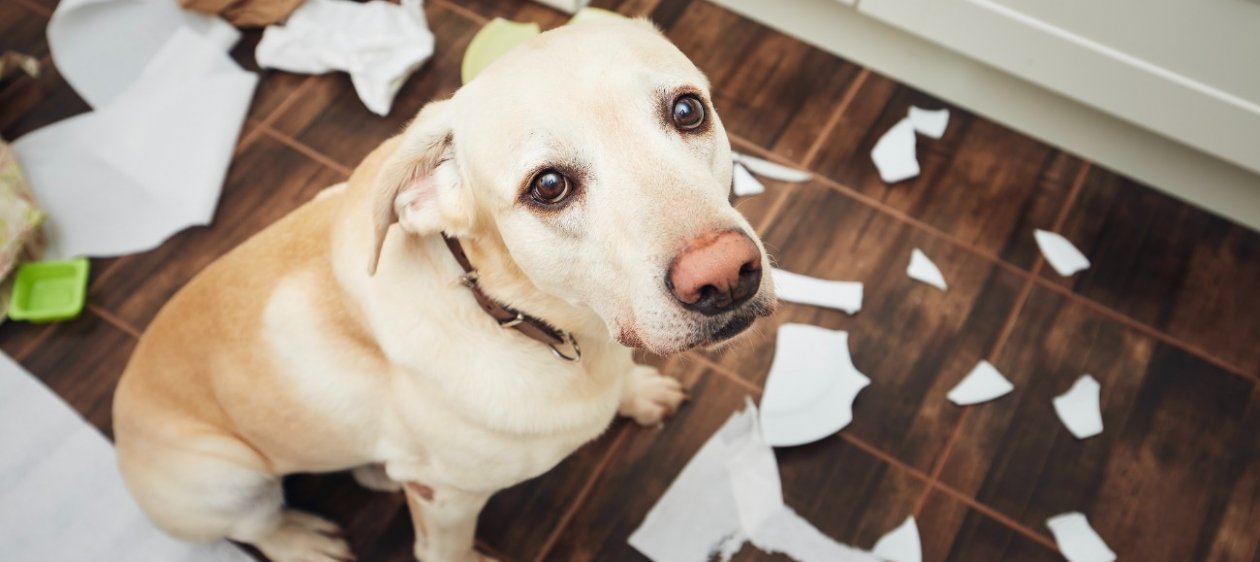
{"points": [[302, 537], [650, 397]]}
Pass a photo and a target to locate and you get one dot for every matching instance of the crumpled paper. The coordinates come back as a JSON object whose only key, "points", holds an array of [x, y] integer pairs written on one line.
{"points": [[379, 44], [151, 158]]}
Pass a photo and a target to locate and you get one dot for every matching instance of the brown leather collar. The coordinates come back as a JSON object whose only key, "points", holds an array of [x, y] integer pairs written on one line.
{"points": [[508, 317]]}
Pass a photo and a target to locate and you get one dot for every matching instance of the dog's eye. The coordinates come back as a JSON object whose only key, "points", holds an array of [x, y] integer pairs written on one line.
{"points": [[549, 187], [688, 112]]}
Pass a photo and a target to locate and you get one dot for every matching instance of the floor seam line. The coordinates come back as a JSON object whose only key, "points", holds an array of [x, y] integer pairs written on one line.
{"points": [[313, 154], [846, 100], [583, 494]]}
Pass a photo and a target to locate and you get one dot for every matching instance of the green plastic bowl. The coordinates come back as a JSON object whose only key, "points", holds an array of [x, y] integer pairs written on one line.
{"points": [[49, 291]]}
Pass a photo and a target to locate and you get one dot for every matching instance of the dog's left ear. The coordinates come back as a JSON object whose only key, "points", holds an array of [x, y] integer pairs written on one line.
{"points": [[412, 188]]}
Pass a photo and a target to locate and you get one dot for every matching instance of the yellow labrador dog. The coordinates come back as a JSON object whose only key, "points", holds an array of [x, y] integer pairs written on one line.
{"points": [[459, 316]]}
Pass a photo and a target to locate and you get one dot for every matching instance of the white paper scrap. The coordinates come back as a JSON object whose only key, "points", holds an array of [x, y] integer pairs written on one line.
{"points": [[743, 182], [1077, 540], [982, 384], [772, 170], [61, 496], [729, 494], [929, 122], [1079, 409], [894, 154], [922, 269], [811, 387], [1060, 253], [840, 295], [900, 544], [151, 158], [378, 43]]}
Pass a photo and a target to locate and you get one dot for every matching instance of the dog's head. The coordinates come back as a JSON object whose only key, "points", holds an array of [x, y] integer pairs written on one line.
{"points": [[594, 154]]}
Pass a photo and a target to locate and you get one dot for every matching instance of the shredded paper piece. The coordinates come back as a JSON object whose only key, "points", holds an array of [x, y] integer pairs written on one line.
{"points": [[729, 494], [894, 155], [811, 387], [744, 183], [1060, 253], [1079, 409], [149, 160], [922, 269], [1077, 540], [982, 384], [772, 170], [929, 122], [797, 288], [61, 496], [378, 43], [900, 544]]}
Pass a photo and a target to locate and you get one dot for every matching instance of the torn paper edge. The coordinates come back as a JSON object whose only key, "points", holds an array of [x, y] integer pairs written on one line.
{"points": [[803, 289], [729, 493], [772, 170], [743, 183], [1064, 257], [812, 385], [893, 154], [922, 269], [901, 544], [1077, 540], [929, 122], [982, 384], [1078, 408]]}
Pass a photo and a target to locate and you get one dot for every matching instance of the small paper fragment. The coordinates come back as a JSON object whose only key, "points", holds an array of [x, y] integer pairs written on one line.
{"points": [[802, 289], [1077, 540], [1060, 253], [982, 384], [900, 544], [772, 170], [811, 387], [894, 154], [922, 269], [743, 182], [929, 122], [1078, 408]]}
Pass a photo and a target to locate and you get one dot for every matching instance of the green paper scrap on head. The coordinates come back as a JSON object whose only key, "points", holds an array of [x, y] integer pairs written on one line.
{"points": [[500, 36]]}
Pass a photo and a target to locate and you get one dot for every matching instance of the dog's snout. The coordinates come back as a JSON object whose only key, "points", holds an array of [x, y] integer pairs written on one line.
{"points": [[716, 272]]}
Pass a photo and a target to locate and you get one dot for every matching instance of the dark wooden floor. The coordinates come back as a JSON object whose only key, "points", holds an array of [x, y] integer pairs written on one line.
{"points": [[1168, 317]]}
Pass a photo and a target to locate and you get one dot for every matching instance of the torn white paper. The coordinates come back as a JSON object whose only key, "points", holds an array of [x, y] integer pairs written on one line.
{"points": [[1077, 540], [900, 544], [1079, 409], [811, 387], [929, 122], [922, 269], [982, 384], [1060, 253], [744, 184], [61, 496], [378, 43], [772, 170], [840, 295], [894, 154], [730, 493], [150, 159]]}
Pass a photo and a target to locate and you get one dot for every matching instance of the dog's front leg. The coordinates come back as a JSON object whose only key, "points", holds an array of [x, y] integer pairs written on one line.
{"points": [[648, 397], [445, 520]]}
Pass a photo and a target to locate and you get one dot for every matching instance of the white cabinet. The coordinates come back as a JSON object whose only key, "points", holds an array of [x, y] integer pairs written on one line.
{"points": [[1187, 69]]}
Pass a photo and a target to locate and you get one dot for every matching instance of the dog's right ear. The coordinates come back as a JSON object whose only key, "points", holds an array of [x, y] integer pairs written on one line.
{"points": [[409, 189]]}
